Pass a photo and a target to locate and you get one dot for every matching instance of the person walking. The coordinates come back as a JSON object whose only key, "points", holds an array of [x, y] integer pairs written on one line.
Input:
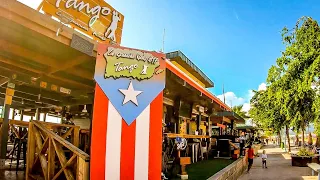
{"points": [[250, 157], [264, 159]]}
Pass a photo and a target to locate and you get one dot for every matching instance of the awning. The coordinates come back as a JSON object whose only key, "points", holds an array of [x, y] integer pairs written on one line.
{"points": [[194, 84], [232, 116]]}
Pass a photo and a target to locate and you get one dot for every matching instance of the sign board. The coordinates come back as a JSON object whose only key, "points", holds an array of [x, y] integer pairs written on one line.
{"points": [[127, 116], [201, 109], [95, 18]]}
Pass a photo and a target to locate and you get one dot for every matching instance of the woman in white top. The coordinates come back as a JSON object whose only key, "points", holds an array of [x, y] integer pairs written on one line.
{"points": [[264, 159]]}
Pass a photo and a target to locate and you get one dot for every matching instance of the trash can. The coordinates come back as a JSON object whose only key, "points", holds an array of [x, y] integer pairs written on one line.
{"points": [[282, 145]]}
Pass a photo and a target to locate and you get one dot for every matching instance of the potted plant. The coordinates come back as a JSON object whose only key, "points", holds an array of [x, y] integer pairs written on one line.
{"points": [[303, 157]]}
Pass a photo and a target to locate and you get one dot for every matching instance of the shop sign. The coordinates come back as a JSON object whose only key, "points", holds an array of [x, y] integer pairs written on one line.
{"points": [[181, 143], [54, 87], [201, 109], [129, 70], [11, 85], [65, 90], [43, 84], [95, 18]]}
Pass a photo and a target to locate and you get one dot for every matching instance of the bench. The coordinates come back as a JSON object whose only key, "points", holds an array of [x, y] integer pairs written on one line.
{"points": [[315, 167]]}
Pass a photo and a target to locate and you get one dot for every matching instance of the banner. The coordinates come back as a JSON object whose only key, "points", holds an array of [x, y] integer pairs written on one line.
{"points": [[126, 141]]}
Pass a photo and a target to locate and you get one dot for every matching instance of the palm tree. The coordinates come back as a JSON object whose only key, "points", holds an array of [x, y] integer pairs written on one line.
{"points": [[238, 110]]}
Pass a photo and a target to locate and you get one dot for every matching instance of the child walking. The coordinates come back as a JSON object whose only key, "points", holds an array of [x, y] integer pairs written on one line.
{"points": [[264, 159]]}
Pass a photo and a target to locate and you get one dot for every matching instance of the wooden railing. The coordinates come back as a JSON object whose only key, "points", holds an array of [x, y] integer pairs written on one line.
{"points": [[51, 156]]}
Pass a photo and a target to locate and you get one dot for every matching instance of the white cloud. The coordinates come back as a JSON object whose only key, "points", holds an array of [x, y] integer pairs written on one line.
{"points": [[246, 107], [262, 87], [233, 100]]}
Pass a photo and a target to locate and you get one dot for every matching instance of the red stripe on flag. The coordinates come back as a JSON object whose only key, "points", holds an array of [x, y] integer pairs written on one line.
{"points": [[98, 136], [128, 136], [155, 140]]}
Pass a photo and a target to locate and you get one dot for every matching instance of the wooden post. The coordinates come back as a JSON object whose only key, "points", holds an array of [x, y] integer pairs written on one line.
{"points": [[38, 114], [13, 114], [76, 131], [31, 150], [21, 115], [5, 124], [51, 158], [83, 169], [44, 117]]}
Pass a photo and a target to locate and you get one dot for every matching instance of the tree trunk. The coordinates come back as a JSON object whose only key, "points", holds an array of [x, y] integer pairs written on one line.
{"points": [[318, 141], [303, 137], [288, 137], [279, 136], [297, 139]]}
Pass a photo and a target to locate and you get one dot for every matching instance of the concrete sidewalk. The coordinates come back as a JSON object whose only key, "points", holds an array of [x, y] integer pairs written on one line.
{"points": [[279, 167]]}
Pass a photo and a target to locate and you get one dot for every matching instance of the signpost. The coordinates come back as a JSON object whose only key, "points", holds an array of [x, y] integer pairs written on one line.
{"points": [[127, 117]]}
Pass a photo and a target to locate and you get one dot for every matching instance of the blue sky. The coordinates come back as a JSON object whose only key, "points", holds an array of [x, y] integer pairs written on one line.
{"points": [[234, 42]]}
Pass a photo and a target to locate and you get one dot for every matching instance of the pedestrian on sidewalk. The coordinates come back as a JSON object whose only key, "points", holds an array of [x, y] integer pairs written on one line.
{"points": [[250, 157], [264, 159]]}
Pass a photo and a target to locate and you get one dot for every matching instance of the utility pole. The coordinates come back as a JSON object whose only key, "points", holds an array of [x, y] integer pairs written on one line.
{"points": [[224, 96], [164, 32]]}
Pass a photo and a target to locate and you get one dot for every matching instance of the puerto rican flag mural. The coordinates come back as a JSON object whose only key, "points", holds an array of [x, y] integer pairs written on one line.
{"points": [[126, 139]]}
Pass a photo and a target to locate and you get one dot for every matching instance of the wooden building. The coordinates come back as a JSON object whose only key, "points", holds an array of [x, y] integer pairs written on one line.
{"points": [[45, 67]]}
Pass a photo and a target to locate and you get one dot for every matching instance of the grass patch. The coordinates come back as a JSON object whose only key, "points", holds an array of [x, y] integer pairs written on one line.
{"points": [[204, 169]]}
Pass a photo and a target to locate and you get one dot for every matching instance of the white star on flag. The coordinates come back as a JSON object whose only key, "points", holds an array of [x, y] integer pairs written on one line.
{"points": [[130, 94]]}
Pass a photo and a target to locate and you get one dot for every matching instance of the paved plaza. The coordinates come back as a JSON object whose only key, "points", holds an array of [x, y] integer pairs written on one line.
{"points": [[279, 167]]}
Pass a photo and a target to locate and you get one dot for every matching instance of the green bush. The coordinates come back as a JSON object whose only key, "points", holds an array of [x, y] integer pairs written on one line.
{"points": [[305, 152]]}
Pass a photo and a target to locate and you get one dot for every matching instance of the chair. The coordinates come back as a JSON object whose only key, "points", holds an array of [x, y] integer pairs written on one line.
{"points": [[204, 150]]}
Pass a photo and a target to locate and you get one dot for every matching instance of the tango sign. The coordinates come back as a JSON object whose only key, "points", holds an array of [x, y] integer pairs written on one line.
{"points": [[93, 17]]}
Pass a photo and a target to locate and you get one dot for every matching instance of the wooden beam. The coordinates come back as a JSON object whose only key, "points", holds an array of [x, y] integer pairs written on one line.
{"points": [[49, 77], [21, 65], [70, 69], [81, 73], [27, 79], [63, 160], [21, 51], [31, 150], [51, 159], [3, 81], [69, 64], [65, 166], [65, 135], [60, 140], [31, 97], [38, 22]]}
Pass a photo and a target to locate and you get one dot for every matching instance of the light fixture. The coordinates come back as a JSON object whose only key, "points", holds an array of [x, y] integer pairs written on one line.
{"points": [[22, 101], [85, 109]]}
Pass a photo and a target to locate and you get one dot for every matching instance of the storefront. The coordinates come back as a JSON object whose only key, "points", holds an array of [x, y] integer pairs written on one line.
{"points": [[50, 68]]}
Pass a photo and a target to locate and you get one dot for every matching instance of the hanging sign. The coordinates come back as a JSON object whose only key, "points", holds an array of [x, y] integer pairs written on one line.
{"points": [[127, 116], [95, 18], [181, 143]]}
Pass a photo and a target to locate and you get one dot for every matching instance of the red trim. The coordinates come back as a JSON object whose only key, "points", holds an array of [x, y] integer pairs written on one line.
{"points": [[173, 69], [221, 125], [128, 137], [155, 139], [98, 136]]}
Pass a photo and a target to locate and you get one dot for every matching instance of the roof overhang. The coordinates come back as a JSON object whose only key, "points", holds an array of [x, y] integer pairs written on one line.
{"points": [[186, 63], [194, 84], [232, 116]]}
